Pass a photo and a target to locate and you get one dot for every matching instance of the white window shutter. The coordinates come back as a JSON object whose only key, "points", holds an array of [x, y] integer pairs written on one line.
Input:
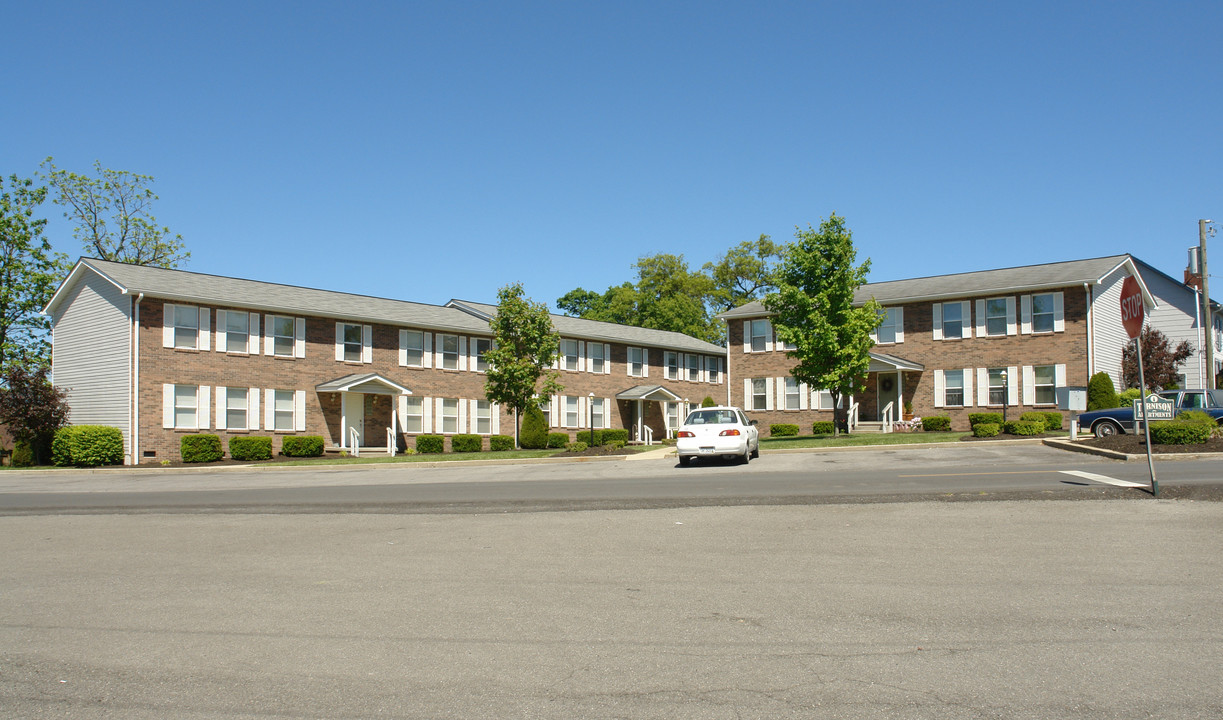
{"points": [[938, 321], [1059, 319], [779, 386], [426, 414], [874, 336], [202, 404], [768, 394], [768, 336], [968, 387], [940, 388], [403, 348], [220, 343], [581, 354], [269, 343], [900, 325], [582, 422], [747, 336], [439, 404], [1029, 384], [1025, 315], [803, 394], [252, 408], [966, 318], [1012, 385], [269, 409], [473, 412], [299, 337], [252, 334], [747, 394], [167, 326], [463, 352], [167, 406], [645, 362], [367, 343], [1059, 376], [982, 386], [299, 410], [339, 341], [554, 411], [607, 359], [980, 318], [462, 426], [494, 412], [1010, 315], [205, 326], [426, 358], [607, 408], [221, 399]]}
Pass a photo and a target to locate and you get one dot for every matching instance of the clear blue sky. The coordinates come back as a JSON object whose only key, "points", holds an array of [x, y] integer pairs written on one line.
{"points": [[426, 151]]}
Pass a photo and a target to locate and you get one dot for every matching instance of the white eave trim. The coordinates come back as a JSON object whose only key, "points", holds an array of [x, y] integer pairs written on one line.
{"points": [[77, 270]]}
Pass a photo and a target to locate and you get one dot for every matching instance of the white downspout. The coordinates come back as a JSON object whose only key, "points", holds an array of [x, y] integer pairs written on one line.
{"points": [[727, 373], [135, 384], [1091, 332]]}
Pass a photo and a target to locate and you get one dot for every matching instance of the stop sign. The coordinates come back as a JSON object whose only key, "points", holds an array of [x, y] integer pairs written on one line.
{"points": [[1132, 309]]}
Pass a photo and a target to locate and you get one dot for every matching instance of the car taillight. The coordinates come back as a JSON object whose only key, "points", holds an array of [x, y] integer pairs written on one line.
{"points": [[726, 433], [685, 433]]}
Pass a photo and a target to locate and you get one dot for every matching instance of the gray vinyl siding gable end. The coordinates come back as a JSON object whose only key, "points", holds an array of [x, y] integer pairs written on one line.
{"points": [[92, 357], [1177, 318], [1108, 334]]}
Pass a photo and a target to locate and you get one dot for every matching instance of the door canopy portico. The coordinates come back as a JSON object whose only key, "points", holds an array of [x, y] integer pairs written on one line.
{"points": [[891, 363], [367, 383], [646, 393], [352, 389]]}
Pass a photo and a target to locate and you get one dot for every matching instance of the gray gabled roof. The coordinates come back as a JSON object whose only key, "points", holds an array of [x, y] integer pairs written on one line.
{"points": [[264, 296], [647, 392], [983, 282], [572, 327]]}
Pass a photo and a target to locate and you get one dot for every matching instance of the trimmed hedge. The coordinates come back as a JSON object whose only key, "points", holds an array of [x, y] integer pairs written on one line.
{"points": [[302, 446], [534, 432], [708, 402], [783, 430], [250, 448], [430, 444], [576, 446], [976, 418], [985, 429], [201, 448], [498, 443], [1034, 417], [1053, 420], [616, 444], [466, 443], [556, 441], [619, 435], [1024, 428], [87, 446], [936, 423], [1101, 393], [822, 427], [1179, 432]]}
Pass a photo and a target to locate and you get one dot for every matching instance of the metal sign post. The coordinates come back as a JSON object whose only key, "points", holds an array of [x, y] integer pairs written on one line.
{"points": [[1133, 311], [1146, 419]]}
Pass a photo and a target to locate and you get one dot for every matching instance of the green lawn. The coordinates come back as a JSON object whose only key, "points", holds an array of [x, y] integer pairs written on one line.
{"points": [[859, 439]]}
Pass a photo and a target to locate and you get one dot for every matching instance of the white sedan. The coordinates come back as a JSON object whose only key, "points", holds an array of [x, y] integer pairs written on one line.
{"points": [[717, 431]]}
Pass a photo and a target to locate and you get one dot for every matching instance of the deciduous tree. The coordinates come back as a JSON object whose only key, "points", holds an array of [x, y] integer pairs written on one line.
{"points": [[29, 273], [524, 346], [813, 309], [113, 216], [32, 408], [1160, 361], [745, 272]]}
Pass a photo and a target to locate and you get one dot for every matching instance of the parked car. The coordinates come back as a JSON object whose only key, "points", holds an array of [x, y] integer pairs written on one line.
{"points": [[717, 432], [1121, 420]]}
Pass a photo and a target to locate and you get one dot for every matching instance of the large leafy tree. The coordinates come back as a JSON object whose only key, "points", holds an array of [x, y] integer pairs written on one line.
{"points": [[113, 216], [524, 346], [29, 273], [813, 309], [31, 407], [745, 272], [1160, 360]]}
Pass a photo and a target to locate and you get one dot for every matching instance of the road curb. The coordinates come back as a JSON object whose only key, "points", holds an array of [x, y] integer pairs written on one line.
{"points": [[1114, 455]]}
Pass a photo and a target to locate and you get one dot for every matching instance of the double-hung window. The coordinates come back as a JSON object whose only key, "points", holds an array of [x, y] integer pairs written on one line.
{"points": [[569, 350], [484, 418], [672, 415], [283, 339], [760, 334], [889, 330], [186, 406], [995, 316], [953, 320], [694, 367], [1042, 313], [481, 346], [414, 415], [636, 362], [237, 331], [792, 393], [1045, 384], [760, 394], [953, 388], [236, 415], [186, 326], [284, 410], [450, 415], [713, 367], [595, 352], [997, 386], [352, 339], [671, 359], [572, 416], [414, 348], [596, 412], [450, 352]]}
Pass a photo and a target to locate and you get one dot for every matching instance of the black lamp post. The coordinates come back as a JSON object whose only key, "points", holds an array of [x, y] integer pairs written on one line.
{"points": [[1005, 393], [590, 419]]}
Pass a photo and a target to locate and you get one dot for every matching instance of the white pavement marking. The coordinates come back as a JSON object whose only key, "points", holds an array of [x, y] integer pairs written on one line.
{"points": [[1102, 478]]}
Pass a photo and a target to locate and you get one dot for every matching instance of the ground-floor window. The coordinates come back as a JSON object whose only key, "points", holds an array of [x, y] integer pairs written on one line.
{"points": [[953, 388], [997, 386], [484, 418], [1045, 384], [450, 415], [186, 406], [235, 409], [283, 410], [414, 415], [760, 394], [792, 391], [596, 412]]}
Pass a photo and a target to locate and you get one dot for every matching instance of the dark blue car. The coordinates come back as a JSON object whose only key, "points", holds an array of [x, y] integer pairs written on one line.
{"points": [[1121, 420]]}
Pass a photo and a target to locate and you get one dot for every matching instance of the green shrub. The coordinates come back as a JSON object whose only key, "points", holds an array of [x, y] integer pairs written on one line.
{"points": [[619, 435], [201, 448], [782, 430], [576, 446], [250, 448], [708, 402], [1053, 420], [1101, 393], [87, 446], [1179, 432], [1034, 417], [822, 427], [23, 454], [498, 443], [466, 443], [936, 423], [302, 446], [534, 432], [1198, 417], [1126, 398], [1024, 428], [616, 444], [983, 429], [61, 446], [557, 440], [976, 418], [430, 444]]}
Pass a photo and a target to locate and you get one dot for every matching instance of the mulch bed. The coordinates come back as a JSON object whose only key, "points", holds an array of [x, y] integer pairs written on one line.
{"points": [[1136, 445]]}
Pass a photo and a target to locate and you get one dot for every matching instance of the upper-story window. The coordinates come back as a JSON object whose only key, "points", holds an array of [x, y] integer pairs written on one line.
{"points": [[571, 355], [671, 360], [637, 359], [415, 348], [186, 326], [351, 338], [283, 338], [760, 334], [995, 316], [450, 351], [953, 317], [713, 369], [480, 347], [891, 326], [1042, 313], [237, 331], [694, 367], [598, 360]]}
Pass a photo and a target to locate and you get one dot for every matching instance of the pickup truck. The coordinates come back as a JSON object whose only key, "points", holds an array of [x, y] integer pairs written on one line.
{"points": [[1121, 420]]}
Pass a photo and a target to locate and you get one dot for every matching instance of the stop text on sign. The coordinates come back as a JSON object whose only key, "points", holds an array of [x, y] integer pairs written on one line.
{"points": [[1131, 307]]}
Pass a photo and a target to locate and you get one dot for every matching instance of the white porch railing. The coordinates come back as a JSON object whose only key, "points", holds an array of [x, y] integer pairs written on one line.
{"points": [[887, 417], [644, 434], [354, 442], [390, 442], [851, 421]]}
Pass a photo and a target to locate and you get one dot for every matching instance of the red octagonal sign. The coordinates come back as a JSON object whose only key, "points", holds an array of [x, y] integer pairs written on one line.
{"points": [[1132, 310]]}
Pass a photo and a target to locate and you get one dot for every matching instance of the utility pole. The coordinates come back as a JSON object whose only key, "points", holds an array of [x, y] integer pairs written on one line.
{"points": [[1208, 318]]}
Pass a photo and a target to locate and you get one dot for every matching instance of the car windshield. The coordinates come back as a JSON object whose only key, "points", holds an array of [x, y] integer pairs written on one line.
{"points": [[711, 417]]}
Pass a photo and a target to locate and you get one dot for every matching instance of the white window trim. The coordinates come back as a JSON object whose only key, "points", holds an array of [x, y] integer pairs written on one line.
{"points": [[1025, 314], [983, 321], [203, 401], [768, 335], [899, 326]]}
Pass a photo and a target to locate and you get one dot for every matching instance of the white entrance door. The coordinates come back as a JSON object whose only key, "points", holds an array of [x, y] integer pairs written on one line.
{"points": [[354, 418], [889, 392]]}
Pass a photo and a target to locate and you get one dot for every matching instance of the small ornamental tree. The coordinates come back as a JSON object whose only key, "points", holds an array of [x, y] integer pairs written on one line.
{"points": [[813, 309], [1101, 394], [524, 346], [1160, 361], [32, 408]]}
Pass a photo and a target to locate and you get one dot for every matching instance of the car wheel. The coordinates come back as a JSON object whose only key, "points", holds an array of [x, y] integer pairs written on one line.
{"points": [[756, 451], [1106, 428], [747, 455], [685, 459]]}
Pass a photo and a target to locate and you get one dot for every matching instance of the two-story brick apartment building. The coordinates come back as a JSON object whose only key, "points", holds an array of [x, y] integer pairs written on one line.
{"points": [[954, 344], [161, 353]]}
